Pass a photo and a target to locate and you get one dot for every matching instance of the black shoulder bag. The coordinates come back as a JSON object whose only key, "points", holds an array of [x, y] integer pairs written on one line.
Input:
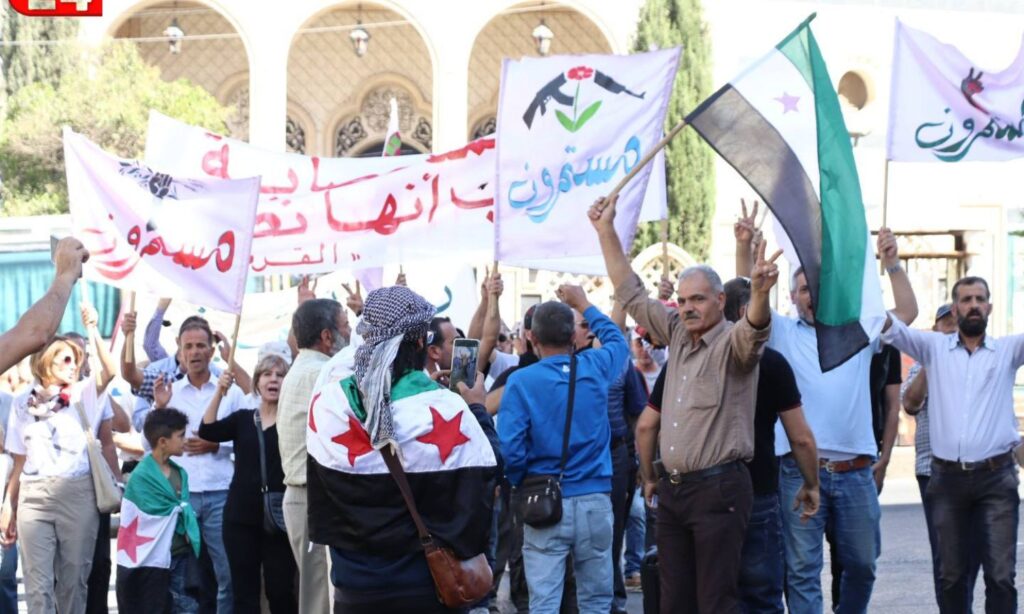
{"points": [[540, 496], [273, 502]]}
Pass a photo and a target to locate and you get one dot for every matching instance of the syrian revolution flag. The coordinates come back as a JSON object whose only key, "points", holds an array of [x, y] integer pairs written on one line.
{"points": [[780, 126], [944, 107], [444, 452], [151, 513], [393, 140]]}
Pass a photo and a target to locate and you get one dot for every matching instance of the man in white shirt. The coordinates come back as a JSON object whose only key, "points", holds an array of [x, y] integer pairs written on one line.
{"points": [[973, 486], [208, 464], [321, 331], [837, 405]]}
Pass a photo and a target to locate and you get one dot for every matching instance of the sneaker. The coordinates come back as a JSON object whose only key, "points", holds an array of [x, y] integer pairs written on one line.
{"points": [[633, 582]]}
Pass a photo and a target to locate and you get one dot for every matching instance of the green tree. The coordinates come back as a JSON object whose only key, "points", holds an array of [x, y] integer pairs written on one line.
{"points": [[107, 97], [41, 56], [689, 162]]}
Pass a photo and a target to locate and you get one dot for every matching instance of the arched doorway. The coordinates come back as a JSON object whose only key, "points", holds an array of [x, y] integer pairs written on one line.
{"points": [[210, 53], [347, 95], [510, 35]]}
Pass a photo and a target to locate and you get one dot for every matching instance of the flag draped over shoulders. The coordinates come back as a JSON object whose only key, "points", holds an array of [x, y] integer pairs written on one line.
{"points": [[151, 514]]}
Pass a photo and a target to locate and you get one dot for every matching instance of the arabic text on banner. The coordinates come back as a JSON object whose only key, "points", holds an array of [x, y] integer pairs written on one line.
{"points": [[946, 108], [157, 233], [569, 129], [323, 214]]}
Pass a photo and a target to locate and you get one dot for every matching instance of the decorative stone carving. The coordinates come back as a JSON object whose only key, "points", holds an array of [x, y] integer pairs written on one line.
{"points": [[349, 134], [376, 108], [294, 136], [238, 122], [423, 133], [485, 127]]}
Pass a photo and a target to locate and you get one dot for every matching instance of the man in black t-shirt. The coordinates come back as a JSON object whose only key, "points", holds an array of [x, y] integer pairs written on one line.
{"points": [[761, 578]]}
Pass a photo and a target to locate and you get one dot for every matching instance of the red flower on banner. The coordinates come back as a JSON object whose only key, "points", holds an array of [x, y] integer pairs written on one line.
{"points": [[580, 73]]}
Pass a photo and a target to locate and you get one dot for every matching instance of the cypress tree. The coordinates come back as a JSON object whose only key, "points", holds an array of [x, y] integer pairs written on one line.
{"points": [[689, 162], [32, 63]]}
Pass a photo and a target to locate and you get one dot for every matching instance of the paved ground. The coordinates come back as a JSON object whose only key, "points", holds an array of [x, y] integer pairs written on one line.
{"points": [[904, 577], [904, 580]]}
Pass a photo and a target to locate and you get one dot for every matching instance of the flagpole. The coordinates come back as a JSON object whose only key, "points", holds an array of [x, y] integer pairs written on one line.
{"points": [[234, 340], [129, 339], [647, 158], [664, 248], [885, 208]]}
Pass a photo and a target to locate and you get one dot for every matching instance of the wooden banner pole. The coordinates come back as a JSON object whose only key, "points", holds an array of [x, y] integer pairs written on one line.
{"points": [[129, 340], [647, 158]]}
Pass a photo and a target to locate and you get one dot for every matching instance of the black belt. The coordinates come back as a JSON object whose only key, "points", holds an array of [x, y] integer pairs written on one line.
{"points": [[702, 474], [991, 464]]}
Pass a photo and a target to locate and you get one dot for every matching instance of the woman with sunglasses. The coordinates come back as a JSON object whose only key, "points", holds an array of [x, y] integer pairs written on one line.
{"points": [[50, 505]]}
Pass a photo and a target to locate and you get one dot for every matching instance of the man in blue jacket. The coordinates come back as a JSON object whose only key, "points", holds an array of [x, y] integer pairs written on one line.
{"points": [[533, 413]]}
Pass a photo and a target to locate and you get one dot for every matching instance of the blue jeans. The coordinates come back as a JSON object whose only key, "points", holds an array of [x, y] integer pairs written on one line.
{"points": [[850, 501], [182, 602], [636, 526], [760, 573], [9, 579], [976, 511], [585, 531], [209, 507]]}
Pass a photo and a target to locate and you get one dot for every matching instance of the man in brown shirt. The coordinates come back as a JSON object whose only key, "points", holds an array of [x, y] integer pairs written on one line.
{"points": [[705, 494]]}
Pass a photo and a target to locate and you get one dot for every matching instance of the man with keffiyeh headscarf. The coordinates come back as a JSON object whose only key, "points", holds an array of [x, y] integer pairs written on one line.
{"points": [[447, 445]]}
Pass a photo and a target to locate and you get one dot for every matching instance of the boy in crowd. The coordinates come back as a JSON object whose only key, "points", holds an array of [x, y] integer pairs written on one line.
{"points": [[159, 530]]}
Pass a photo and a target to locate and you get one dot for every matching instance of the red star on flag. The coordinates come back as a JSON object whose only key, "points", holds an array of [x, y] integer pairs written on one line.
{"points": [[446, 434], [312, 422], [129, 540], [356, 439]]}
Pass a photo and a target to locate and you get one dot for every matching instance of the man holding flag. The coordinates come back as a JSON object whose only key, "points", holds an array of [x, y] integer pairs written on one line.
{"points": [[779, 124]]}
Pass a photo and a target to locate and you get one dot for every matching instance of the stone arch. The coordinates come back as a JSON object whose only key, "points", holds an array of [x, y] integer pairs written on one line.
{"points": [[508, 34], [216, 63], [335, 85]]}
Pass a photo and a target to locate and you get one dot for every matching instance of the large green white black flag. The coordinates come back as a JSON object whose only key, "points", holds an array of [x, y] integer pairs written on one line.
{"points": [[779, 124]]}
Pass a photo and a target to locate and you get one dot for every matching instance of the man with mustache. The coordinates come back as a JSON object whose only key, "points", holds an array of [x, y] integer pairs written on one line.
{"points": [[972, 490], [706, 427]]}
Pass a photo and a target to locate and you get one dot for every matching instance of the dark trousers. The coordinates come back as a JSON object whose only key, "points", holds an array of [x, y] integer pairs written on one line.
{"points": [[701, 528], [143, 590], [385, 602], [249, 548], [99, 576], [973, 564], [623, 486], [976, 510]]}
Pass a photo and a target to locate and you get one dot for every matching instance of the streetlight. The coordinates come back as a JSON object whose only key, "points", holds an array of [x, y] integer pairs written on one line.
{"points": [[359, 36], [542, 36], [174, 35]]}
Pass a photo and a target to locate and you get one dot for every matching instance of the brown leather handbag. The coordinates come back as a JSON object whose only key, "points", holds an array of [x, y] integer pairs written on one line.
{"points": [[458, 583]]}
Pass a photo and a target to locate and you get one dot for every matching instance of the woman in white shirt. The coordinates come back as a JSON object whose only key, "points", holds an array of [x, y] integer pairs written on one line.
{"points": [[50, 507]]}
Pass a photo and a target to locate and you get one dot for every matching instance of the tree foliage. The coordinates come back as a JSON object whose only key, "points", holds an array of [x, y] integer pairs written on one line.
{"points": [[107, 96], [689, 162], [35, 61]]}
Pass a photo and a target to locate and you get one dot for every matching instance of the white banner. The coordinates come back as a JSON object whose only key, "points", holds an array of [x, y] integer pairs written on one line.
{"points": [[323, 214], [160, 234], [569, 129], [943, 107]]}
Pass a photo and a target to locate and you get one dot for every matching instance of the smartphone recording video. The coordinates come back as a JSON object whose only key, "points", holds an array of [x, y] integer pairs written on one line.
{"points": [[464, 357]]}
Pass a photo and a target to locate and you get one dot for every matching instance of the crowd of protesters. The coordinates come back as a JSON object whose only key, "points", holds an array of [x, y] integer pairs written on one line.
{"points": [[701, 456]]}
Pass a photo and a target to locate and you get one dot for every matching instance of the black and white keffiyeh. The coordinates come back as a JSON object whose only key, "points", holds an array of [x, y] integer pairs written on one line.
{"points": [[389, 315]]}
